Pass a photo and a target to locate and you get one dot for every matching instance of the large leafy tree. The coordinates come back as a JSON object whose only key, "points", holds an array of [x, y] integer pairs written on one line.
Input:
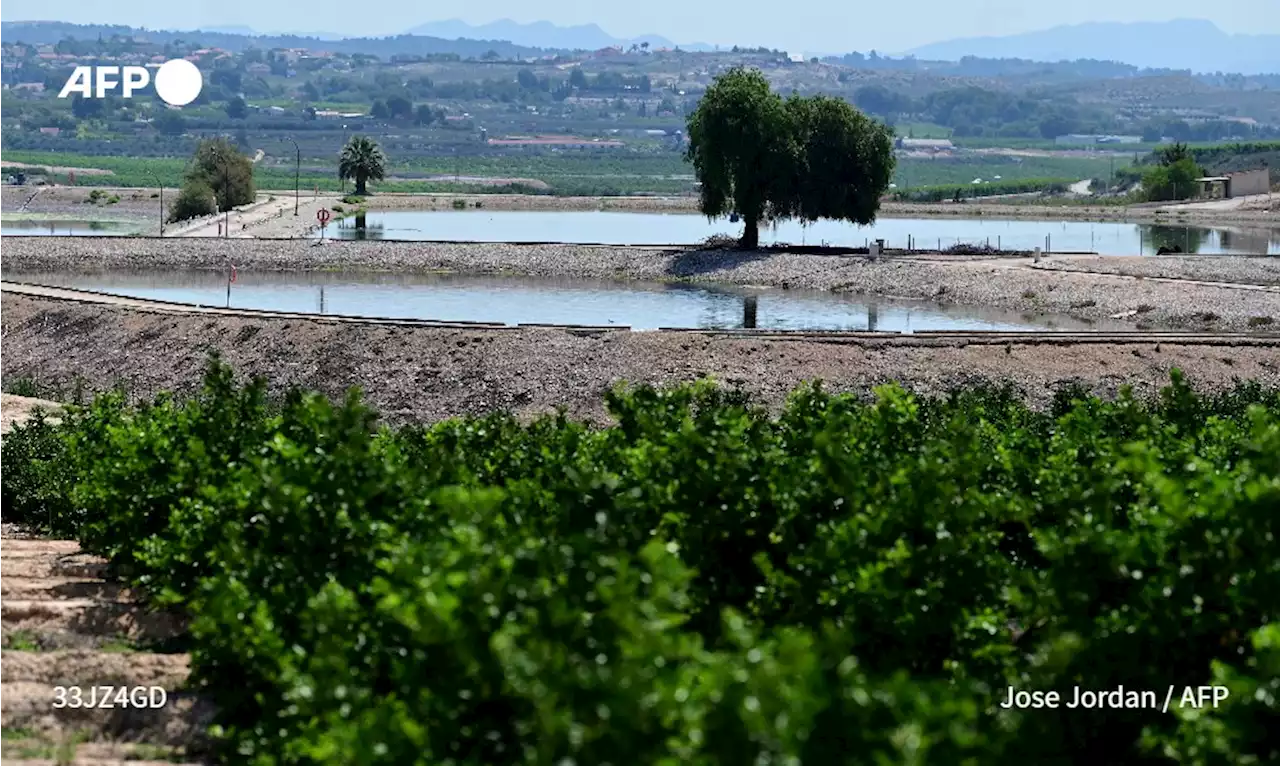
{"points": [[1174, 178], [220, 166], [739, 147], [362, 160], [766, 159], [841, 162]]}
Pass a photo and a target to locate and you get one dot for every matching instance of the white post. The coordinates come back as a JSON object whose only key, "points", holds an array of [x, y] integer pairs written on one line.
{"points": [[873, 249], [1037, 255]]}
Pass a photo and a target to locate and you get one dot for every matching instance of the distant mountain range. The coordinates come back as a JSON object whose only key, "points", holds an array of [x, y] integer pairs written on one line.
{"points": [[543, 34], [1183, 44], [38, 32], [1180, 45], [526, 38]]}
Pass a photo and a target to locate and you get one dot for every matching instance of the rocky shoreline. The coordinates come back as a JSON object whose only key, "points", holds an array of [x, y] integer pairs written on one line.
{"points": [[139, 205], [1110, 290], [427, 374]]}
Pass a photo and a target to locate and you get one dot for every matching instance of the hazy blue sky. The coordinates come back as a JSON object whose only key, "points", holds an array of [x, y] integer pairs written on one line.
{"points": [[826, 26]]}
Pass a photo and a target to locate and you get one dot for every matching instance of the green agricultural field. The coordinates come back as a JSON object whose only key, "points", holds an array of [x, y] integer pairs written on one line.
{"points": [[571, 175], [581, 173], [912, 172]]}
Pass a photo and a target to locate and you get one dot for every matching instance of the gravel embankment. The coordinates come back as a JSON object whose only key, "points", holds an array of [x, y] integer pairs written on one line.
{"points": [[1218, 268], [426, 374], [73, 201], [1001, 283], [61, 200]]}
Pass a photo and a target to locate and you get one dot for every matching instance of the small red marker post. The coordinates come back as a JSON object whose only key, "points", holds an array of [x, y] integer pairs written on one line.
{"points": [[322, 216]]}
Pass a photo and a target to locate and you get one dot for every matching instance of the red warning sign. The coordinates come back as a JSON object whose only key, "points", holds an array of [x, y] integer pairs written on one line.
{"points": [[322, 215]]}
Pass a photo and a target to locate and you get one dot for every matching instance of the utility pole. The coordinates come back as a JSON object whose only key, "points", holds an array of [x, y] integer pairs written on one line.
{"points": [[226, 198], [297, 170], [161, 185]]}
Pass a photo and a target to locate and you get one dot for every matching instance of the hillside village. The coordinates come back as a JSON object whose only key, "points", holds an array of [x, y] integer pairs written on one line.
{"points": [[446, 107]]}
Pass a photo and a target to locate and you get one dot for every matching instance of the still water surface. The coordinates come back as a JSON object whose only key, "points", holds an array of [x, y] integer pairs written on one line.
{"points": [[511, 300], [928, 233], [61, 228]]}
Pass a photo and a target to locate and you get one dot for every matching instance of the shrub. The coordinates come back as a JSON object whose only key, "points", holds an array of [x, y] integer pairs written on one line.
{"points": [[195, 200], [223, 168]]}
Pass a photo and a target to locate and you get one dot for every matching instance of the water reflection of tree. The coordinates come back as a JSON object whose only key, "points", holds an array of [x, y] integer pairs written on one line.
{"points": [[1246, 241], [364, 231], [1185, 239]]}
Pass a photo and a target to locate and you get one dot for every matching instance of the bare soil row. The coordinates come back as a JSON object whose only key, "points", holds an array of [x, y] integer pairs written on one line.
{"points": [[68, 635]]}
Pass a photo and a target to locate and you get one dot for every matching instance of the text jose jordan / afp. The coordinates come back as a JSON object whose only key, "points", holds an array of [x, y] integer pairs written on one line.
{"points": [[1117, 698]]}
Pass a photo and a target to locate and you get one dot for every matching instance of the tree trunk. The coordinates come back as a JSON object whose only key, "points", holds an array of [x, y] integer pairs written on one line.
{"points": [[750, 233], [360, 192]]}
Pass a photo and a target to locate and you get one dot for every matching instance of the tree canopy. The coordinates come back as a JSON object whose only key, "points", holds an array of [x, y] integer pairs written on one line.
{"points": [[768, 159], [222, 167], [362, 161], [1175, 177], [196, 199]]}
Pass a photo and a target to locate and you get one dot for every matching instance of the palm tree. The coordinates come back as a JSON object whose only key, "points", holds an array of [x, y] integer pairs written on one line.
{"points": [[362, 160]]}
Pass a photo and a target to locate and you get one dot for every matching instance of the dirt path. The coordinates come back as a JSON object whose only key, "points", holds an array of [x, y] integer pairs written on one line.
{"points": [[63, 625], [269, 216], [16, 409], [57, 168]]}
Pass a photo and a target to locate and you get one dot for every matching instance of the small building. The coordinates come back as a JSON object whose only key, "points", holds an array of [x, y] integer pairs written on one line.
{"points": [[1082, 139], [1234, 185], [925, 144], [1249, 182]]}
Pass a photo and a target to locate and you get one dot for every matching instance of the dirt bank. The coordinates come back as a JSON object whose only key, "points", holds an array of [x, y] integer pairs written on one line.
{"points": [[18, 409], [65, 626], [427, 374], [73, 202], [1008, 284]]}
